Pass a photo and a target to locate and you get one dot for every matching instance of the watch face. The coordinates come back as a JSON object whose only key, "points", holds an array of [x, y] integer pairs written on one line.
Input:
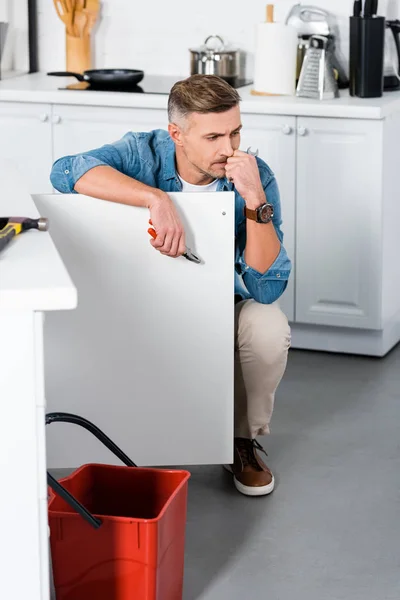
{"points": [[265, 213]]}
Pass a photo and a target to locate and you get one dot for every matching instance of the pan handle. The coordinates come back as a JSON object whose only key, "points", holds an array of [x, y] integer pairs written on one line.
{"points": [[67, 74]]}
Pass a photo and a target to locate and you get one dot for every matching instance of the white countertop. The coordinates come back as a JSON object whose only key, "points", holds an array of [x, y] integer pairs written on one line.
{"points": [[39, 87], [32, 274]]}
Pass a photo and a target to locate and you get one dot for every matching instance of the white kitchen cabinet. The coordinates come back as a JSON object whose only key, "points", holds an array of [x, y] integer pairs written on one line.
{"points": [[275, 139], [338, 237], [336, 168], [33, 281], [80, 128], [25, 138]]}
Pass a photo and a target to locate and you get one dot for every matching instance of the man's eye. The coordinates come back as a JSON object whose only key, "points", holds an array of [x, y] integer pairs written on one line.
{"points": [[212, 138], [235, 133]]}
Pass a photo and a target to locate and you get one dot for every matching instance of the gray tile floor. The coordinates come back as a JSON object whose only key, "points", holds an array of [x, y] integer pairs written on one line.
{"points": [[331, 529]]}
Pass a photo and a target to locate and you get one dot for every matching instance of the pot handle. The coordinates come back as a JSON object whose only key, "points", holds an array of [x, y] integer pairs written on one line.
{"points": [[215, 37]]}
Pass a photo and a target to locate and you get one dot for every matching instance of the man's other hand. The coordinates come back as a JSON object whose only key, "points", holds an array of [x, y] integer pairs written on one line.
{"points": [[242, 169]]}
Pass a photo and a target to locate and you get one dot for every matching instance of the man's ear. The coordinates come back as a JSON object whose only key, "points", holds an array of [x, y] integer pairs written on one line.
{"points": [[176, 133]]}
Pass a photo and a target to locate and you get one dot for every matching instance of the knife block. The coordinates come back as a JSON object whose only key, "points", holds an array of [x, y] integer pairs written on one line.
{"points": [[78, 53], [367, 44]]}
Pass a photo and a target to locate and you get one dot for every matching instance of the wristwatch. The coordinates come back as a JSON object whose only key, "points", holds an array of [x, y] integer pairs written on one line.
{"points": [[262, 214]]}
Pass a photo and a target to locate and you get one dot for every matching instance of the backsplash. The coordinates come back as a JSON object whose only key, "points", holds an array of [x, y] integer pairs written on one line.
{"points": [[156, 37]]}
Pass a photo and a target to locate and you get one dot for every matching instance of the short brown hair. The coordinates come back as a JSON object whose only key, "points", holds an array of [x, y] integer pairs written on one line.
{"points": [[201, 94]]}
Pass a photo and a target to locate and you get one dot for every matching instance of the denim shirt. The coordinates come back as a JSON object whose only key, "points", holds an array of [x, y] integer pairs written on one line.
{"points": [[150, 158]]}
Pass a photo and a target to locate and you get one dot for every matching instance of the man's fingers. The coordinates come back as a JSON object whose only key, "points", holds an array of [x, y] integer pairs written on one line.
{"points": [[171, 243], [177, 248], [158, 242], [181, 245], [174, 246], [166, 247]]}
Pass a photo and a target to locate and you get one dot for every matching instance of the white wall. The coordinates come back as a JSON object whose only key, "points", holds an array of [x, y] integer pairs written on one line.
{"points": [[155, 35], [15, 54]]}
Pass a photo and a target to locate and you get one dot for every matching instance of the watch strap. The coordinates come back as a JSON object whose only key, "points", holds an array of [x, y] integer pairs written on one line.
{"points": [[250, 213]]}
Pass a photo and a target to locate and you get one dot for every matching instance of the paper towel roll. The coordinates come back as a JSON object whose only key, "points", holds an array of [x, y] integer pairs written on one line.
{"points": [[275, 59]]}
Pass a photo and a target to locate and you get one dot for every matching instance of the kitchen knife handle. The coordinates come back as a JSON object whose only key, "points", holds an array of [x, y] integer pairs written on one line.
{"points": [[368, 9], [357, 8]]}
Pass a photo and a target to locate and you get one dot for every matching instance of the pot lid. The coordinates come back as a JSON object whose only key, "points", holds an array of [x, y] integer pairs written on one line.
{"points": [[214, 44]]}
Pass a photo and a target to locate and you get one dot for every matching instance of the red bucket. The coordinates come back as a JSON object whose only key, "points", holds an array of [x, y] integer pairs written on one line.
{"points": [[126, 542]]}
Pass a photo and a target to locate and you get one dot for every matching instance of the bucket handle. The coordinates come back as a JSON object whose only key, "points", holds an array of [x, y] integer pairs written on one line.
{"points": [[104, 439]]}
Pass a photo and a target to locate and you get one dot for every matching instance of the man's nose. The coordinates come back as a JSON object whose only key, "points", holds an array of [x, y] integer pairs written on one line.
{"points": [[227, 148]]}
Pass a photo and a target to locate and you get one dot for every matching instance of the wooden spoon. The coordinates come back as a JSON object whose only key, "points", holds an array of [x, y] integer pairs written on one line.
{"points": [[92, 5], [64, 15], [91, 18], [80, 23]]}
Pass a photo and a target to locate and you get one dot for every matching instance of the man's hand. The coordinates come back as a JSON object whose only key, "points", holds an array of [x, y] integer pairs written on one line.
{"points": [[242, 169], [170, 238]]}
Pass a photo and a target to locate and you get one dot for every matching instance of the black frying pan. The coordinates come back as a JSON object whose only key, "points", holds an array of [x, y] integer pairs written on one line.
{"points": [[105, 77]]}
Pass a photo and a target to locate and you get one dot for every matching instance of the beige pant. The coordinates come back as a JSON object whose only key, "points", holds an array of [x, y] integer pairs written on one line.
{"points": [[261, 349]]}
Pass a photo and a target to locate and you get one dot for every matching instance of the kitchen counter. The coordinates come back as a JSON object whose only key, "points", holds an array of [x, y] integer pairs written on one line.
{"points": [[33, 279], [40, 88], [32, 274]]}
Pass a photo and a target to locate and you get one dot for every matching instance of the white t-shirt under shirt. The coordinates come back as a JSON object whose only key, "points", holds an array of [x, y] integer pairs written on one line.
{"points": [[189, 187]]}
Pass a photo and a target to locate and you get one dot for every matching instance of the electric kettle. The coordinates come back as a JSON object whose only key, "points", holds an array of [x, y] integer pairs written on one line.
{"points": [[392, 81], [3, 33]]}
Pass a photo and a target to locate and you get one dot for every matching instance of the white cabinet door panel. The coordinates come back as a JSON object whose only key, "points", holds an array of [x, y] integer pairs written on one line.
{"points": [[25, 139], [148, 354], [80, 128], [274, 137], [338, 248]]}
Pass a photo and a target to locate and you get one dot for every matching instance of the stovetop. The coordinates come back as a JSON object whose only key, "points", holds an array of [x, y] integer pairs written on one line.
{"points": [[150, 84]]}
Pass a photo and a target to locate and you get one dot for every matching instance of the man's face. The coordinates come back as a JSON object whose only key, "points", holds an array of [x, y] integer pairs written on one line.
{"points": [[208, 140]]}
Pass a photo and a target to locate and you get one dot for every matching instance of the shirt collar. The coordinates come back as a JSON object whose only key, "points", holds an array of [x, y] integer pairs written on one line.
{"points": [[225, 186], [169, 159]]}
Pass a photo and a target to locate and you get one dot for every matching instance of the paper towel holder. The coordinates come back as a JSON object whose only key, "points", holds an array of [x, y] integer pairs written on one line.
{"points": [[270, 20]]}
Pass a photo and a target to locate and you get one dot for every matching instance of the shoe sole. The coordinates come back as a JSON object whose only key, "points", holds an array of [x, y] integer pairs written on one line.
{"points": [[247, 490]]}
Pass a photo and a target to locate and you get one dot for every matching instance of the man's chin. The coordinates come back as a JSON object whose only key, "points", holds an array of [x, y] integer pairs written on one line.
{"points": [[218, 173]]}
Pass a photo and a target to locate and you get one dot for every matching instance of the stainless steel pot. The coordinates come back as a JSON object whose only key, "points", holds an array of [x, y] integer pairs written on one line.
{"points": [[215, 58]]}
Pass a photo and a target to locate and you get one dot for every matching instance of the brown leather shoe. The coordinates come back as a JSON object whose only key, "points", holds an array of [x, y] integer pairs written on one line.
{"points": [[251, 476]]}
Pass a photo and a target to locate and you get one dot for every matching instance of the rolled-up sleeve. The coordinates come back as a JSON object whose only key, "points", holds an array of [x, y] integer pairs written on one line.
{"points": [[121, 155], [266, 287]]}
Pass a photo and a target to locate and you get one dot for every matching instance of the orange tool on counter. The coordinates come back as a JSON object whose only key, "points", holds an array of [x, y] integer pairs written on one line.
{"points": [[188, 254]]}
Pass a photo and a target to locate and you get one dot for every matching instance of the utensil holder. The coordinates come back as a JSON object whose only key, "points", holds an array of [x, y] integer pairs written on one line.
{"points": [[367, 46], [78, 53]]}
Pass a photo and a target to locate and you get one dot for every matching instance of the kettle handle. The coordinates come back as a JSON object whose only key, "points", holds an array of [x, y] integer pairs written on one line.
{"points": [[314, 10], [394, 26], [216, 37]]}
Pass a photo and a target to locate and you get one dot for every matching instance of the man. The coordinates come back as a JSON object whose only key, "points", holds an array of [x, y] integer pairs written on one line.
{"points": [[199, 153]]}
